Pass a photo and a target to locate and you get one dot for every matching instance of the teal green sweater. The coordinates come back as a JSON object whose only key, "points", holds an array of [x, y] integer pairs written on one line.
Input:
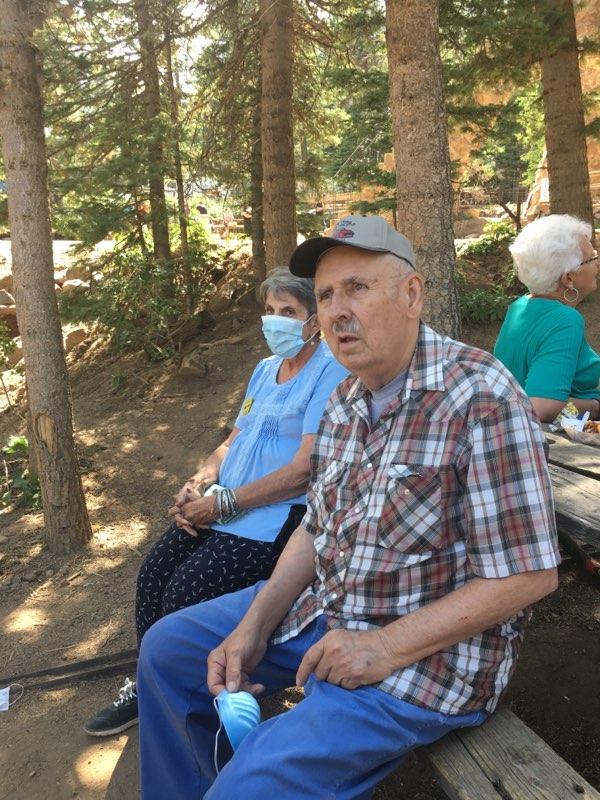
{"points": [[543, 344]]}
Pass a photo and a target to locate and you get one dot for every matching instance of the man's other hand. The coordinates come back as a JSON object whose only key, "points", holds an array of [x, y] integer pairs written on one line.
{"points": [[230, 665], [348, 659]]}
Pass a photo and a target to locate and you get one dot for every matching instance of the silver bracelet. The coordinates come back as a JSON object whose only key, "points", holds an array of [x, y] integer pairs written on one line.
{"points": [[227, 506]]}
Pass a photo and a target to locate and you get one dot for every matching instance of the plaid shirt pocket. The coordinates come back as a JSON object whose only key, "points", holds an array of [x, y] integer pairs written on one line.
{"points": [[411, 519]]}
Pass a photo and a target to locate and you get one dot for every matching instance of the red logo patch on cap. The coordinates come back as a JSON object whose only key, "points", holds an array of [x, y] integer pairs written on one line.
{"points": [[342, 233]]}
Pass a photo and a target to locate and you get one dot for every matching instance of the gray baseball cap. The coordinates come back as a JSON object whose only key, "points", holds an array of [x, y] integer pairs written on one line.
{"points": [[367, 233]]}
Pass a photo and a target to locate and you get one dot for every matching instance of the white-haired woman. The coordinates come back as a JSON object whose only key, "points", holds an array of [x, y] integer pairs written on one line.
{"points": [[542, 339]]}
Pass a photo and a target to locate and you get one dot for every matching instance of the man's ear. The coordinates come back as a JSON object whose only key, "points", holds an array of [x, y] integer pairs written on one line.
{"points": [[414, 290]]}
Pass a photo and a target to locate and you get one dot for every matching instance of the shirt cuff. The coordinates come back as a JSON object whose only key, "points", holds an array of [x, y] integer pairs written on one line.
{"points": [[491, 567]]}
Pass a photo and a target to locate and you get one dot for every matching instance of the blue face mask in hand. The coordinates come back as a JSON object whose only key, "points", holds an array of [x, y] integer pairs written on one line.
{"points": [[284, 334]]}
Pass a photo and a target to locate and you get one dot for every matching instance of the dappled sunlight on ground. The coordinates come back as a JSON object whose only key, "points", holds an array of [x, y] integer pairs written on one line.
{"points": [[94, 766], [24, 620]]}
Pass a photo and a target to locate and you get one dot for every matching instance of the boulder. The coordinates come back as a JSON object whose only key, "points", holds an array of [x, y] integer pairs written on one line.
{"points": [[6, 282], [466, 227], [74, 286], [8, 315], [77, 272], [193, 366], [6, 299], [74, 338]]}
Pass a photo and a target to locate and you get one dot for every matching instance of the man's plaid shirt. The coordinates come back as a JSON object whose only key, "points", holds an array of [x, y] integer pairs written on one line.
{"points": [[450, 484]]}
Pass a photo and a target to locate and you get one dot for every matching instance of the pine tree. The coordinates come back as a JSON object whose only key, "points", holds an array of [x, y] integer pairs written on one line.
{"points": [[423, 188], [279, 189], [22, 132], [563, 113]]}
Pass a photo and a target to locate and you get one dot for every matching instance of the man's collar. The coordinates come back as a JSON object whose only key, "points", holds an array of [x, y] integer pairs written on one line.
{"points": [[425, 373]]}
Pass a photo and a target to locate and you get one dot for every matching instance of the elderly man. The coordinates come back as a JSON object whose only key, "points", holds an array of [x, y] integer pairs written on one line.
{"points": [[400, 601]]}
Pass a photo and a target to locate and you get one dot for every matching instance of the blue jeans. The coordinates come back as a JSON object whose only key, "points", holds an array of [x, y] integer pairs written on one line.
{"points": [[336, 743]]}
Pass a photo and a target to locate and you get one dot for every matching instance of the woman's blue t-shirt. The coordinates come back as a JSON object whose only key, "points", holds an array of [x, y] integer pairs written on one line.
{"points": [[272, 421]]}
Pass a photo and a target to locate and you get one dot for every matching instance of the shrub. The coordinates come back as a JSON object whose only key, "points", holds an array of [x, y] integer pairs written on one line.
{"points": [[18, 487], [139, 300], [484, 305], [496, 236]]}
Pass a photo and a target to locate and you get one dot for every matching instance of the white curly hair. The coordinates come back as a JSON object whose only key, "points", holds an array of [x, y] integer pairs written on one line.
{"points": [[546, 249]]}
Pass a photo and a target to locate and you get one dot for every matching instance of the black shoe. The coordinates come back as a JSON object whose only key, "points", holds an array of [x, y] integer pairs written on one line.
{"points": [[117, 717]]}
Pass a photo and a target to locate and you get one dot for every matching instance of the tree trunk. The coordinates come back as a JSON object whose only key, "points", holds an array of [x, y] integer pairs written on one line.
{"points": [[188, 280], [423, 187], [256, 199], [279, 186], [563, 115], [22, 132], [155, 132]]}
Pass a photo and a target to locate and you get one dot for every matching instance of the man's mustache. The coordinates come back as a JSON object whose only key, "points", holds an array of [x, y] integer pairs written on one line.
{"points": [[347, 326]]}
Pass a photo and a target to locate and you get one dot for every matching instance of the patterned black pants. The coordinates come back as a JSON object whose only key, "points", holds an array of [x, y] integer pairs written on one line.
{"points": [[181, 570]]}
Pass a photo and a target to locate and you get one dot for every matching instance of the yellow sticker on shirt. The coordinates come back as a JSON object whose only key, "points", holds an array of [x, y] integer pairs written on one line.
{"points": [[247, 405]]}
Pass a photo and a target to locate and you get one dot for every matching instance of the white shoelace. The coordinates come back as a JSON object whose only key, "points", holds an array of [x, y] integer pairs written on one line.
{"points": [[126, 692]]}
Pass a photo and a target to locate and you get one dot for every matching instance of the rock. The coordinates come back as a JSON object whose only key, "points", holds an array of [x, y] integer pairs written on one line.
{"points": [[465, 227], [193, 366], [59, 276], [6, 581], [57, 288], [74, 338], [49, 573], [6, 299], [8, 315], [77, 272], [3, 539], [6, 283], [74, 286], [30, 576], [16, 581]]}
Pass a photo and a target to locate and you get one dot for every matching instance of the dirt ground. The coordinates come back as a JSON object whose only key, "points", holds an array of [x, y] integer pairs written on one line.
{"points": [[140, 432]]}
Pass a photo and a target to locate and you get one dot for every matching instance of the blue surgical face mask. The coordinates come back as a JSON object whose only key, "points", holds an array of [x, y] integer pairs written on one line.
{"points": [[284, 334]]}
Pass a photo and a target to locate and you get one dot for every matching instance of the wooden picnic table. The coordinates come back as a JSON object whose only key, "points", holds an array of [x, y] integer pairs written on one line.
{"points": [[575, 472]]}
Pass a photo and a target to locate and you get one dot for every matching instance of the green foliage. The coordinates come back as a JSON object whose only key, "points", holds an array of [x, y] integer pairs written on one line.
{"points": [[139, 301], [7, 345], [18, 486], [309, 225], [488, 303], [496, 235], [484, 304]]}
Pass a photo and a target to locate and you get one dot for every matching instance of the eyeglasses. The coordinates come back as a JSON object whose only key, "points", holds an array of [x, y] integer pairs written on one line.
{"points": [[589, 260]]}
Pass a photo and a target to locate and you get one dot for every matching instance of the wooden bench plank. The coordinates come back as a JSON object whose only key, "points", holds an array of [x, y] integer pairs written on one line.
{"points": [[504, 760], [577, 506]]}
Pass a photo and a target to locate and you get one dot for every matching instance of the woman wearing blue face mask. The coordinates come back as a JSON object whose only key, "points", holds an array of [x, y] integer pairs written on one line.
{"points": [[231, 538]]}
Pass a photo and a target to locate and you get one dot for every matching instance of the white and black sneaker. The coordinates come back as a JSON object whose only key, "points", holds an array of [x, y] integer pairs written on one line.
{"points": [[118, 716]]}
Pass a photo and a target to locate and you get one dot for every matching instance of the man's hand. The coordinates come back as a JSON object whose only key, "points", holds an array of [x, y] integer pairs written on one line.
{"points": [[348, 659], [198, 512], [230, 664]]}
